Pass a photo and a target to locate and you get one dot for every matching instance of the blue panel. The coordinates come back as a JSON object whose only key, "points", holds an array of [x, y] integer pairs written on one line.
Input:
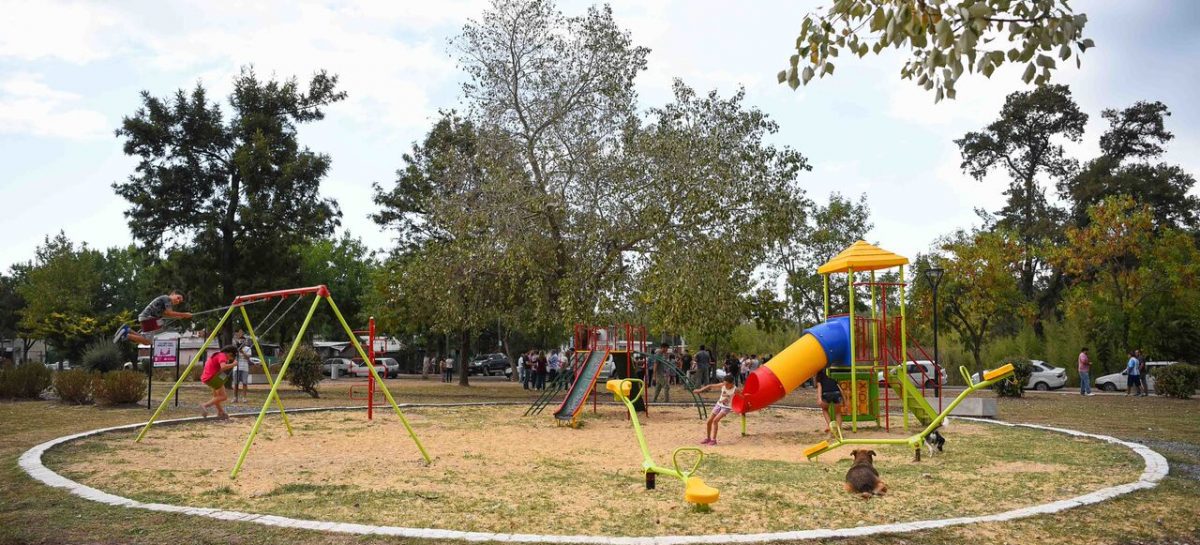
{"points": [[834, 337]]}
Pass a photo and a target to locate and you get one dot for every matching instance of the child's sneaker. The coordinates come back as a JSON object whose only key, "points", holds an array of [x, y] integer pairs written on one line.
{"points": [[121, 334], [705, 441], [712, 442]]}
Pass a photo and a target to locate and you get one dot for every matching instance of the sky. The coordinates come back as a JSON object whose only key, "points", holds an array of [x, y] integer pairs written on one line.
{"points": [[70, 71]]}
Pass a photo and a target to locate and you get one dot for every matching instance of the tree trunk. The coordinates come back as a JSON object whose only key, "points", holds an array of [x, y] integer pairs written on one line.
{"points": [[464, 348], [228, 224]]}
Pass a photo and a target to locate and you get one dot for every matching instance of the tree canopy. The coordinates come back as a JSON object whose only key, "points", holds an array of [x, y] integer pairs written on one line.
{"points": [[944, 38]]}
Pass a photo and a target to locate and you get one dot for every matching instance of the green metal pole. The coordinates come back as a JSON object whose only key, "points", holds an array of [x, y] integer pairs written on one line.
{"points": [[263, 360], [183, 376], [743, 424], [274, 389], [825, 278], [902, 366], [371, 369], [853, 359], [874, 324]]}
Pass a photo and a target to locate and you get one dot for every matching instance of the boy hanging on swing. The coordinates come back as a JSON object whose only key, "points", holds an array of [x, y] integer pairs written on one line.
{"points": [[151, 319]]}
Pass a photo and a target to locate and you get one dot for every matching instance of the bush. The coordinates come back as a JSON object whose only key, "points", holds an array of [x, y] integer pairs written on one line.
{"points": [[305, 370], [102, 357], [75, 386], [26, 381], [120, 387], [1180, 380], [1013, 386]]}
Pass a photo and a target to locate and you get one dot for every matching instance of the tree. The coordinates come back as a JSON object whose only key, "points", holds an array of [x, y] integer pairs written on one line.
{"points": [[454, 210], [1135, 136], [979, 291], [820, 234], [945, 38], [227, 199], [1132, 283], [561, 88], [62, 291], [344, 265], [1024, 142]]}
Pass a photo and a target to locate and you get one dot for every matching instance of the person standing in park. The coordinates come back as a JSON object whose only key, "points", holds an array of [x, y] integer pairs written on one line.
{"points": [[448, 369], [1085, 371], [703, 361], [662, 376], [241, 373], [1133, 374], [1142, 372], [541, 369], [555, 365]]}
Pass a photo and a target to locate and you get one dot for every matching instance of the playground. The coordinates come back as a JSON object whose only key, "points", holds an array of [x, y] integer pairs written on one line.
{"points": [[497, 472]]}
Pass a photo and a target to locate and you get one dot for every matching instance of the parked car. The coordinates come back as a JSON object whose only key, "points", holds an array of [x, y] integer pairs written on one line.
{"points": [[490, 364], [343, 366], [55, 366], [1118, 381], [392, 366], [1044, 377], [359, 369], [923, 373]]}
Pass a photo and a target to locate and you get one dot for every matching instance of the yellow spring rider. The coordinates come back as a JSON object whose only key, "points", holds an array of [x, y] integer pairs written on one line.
{"points": [[695, 491]]}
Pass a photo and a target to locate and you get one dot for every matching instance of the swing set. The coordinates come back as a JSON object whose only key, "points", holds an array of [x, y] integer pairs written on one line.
{"points": [[239, 303]]}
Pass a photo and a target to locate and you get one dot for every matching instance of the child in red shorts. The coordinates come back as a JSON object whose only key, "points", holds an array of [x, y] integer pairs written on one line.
{"points": [[151, 318], [215, 365]]}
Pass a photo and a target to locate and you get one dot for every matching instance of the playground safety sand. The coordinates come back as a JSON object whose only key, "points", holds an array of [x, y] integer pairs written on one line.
{"points": [[496, 471]]}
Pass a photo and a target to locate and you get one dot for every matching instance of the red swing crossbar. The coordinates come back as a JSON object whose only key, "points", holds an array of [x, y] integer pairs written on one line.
{"points": [[321, 291]]}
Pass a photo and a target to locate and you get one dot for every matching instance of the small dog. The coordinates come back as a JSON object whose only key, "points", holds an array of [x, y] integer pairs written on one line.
{"points": [[933, 440], [862, 477]]}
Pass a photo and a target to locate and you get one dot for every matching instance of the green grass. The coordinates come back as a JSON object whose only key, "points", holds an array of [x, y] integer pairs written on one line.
{"points": [[36, 514]]}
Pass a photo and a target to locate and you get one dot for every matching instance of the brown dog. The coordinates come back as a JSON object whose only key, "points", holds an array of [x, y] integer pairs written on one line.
{"points": [[862, 477]]}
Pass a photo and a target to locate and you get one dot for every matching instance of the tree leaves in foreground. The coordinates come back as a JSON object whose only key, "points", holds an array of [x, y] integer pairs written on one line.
{"points": [[945, 38], [228, 198]]}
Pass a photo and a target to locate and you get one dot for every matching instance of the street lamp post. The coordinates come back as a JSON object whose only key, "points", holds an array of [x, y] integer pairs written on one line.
{"points": [[933, 275]]}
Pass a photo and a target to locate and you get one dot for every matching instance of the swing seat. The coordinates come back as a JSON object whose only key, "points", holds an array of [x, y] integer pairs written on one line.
{"points": [[699, 493]]}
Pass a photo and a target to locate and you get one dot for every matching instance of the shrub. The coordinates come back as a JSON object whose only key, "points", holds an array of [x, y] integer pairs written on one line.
{"points": [[120, 387], [305, 370], [75, 386], [102, 357], [1013, 386], [26, 381], [1180, 380]]}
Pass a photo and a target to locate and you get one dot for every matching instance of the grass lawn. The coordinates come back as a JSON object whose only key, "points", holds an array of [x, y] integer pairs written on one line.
{"points": [[33, 513]]}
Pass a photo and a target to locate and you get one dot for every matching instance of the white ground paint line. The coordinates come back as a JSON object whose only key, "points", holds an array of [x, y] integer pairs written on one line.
{"points": [[31, 462]]}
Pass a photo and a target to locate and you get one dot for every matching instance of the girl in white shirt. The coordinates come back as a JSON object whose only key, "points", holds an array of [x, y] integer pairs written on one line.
{"points": [[723, 407]]}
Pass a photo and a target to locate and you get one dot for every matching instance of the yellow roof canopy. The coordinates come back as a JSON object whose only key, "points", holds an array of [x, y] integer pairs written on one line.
{"points": [[862, 256]]}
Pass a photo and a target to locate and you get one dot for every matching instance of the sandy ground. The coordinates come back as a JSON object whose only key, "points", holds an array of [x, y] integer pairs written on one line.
{"points": [[496, 470]]}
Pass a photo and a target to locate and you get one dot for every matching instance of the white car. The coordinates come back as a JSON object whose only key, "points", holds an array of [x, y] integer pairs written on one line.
{"points": [[1044, 376], [360, 369], [923, 373], [1118, 381]]}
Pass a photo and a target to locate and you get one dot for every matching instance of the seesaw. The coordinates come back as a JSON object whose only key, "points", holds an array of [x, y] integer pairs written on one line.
{"points": [[695, 491], [914, 442]]}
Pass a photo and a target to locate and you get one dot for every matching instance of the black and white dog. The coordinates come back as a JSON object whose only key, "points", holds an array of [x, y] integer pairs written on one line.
{"points": [[932, 441]]}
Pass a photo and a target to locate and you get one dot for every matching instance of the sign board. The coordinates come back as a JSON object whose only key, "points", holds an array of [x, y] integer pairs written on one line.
{"points": [[166, 352]]}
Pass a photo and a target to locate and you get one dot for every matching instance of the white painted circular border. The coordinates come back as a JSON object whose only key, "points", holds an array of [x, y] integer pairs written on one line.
{"points": [[31, 462]]}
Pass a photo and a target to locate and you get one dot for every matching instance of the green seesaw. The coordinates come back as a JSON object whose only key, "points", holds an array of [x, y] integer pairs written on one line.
{"points": [[695, 491], [914, 442]]}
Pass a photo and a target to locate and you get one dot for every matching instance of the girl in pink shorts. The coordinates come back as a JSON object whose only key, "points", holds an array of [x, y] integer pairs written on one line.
{"points": [[723, 407]]}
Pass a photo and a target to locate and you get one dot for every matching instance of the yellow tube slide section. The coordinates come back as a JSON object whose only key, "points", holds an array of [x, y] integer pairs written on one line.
{"points": [[785, 372]]}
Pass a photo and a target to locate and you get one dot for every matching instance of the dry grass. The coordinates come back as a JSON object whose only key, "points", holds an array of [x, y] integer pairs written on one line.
{"points": [[32, 513]]}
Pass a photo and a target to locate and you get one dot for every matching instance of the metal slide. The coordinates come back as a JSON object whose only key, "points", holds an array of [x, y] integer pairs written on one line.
{"points": [[916, 400], [560, 383], [584, 382]]}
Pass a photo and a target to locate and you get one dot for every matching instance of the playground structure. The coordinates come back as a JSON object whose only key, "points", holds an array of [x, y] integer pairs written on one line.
{"points": [[859, 351], [695, 491], [624, 344], [320, 293]]}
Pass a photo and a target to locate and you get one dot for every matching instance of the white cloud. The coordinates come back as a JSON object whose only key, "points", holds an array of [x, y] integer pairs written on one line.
{"points": [[69, 31], [29, 106]]}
